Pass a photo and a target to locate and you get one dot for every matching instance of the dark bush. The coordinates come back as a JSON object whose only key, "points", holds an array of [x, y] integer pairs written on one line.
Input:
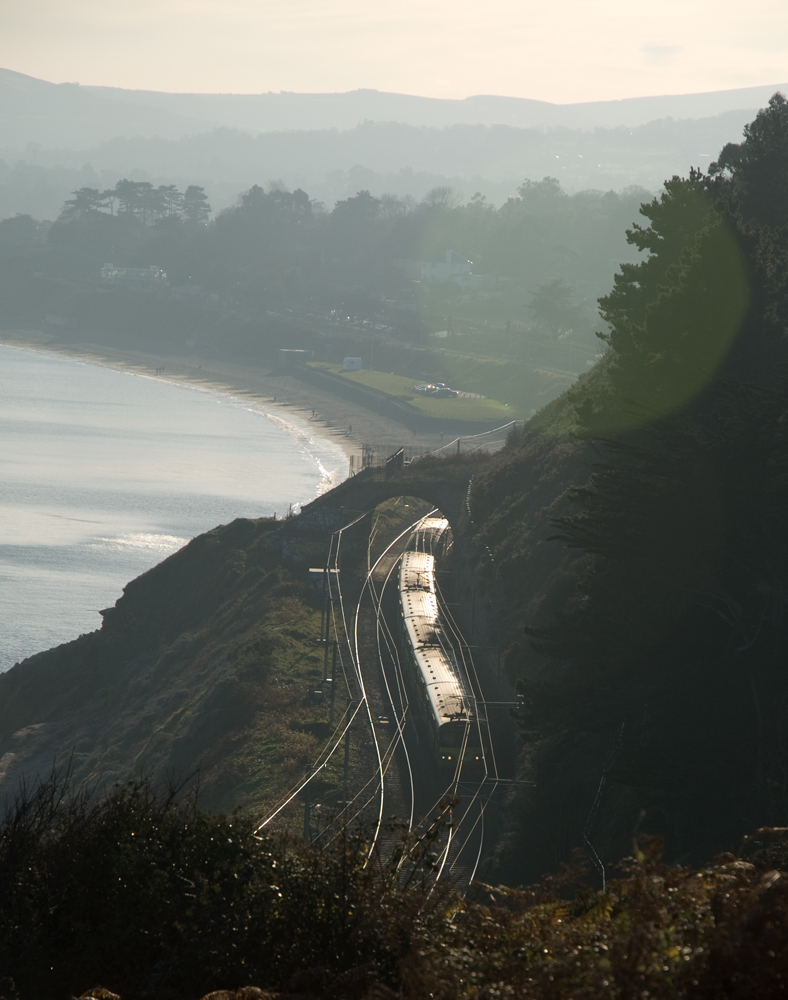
{"points": [[142, 892]]}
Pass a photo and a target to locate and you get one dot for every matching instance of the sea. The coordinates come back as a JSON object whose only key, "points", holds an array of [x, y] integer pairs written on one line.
{"points": [[105, 473]]}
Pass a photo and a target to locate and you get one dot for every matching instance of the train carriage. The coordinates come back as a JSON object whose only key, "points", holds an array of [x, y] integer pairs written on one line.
{"points": [[448, 704], [432, 535]]}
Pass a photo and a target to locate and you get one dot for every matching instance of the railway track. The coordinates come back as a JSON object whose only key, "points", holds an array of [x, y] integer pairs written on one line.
{"points": [[400, 777]]}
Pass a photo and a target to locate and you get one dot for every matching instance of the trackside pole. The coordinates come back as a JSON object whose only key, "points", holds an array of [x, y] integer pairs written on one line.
{"points": [[325, 652], [307, 822], [323, 606], [333, 684]]}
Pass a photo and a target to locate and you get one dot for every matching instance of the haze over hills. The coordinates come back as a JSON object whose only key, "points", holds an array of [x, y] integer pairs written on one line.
{"points": [[55, 138], [274, 112], [67, 114]]}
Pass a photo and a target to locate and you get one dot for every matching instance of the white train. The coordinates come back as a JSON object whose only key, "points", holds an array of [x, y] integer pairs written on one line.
{"points": [[431, 535], [447, 704]]}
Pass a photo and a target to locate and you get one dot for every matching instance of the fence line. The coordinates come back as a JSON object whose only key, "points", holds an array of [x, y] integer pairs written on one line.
{"points": [[489, 441]]}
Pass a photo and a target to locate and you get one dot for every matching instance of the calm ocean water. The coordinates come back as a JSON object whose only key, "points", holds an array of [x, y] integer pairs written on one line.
{"points": [[103, 474]]}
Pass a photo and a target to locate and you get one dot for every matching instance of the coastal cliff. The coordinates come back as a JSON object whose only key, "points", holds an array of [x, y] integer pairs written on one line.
{"points": [[203, 664]]}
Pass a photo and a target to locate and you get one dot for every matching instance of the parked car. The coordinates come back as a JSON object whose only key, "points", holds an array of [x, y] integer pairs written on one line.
{"points": [[436, 389]]}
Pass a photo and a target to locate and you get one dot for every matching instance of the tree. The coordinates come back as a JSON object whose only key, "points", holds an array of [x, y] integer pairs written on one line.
{"points": [[171, 200], [353, 225], [357, 210], [675, 317], [128, 195], [443, 197], [196, 208], [552, 307], [542, 197], [675, 217], [86, 201], [758, 166], [109, 197], [19, 236]]}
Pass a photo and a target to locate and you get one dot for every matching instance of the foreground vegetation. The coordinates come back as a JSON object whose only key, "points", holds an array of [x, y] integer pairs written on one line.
{"points": [[147, 895]]}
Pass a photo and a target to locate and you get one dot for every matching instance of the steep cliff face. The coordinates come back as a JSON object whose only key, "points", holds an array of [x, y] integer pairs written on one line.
{"points": [[205, 662]]}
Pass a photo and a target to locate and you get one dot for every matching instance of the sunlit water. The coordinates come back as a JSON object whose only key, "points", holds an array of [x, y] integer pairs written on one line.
{"points": [[103, 474]]}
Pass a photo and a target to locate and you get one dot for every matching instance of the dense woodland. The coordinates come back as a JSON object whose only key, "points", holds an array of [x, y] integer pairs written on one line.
{"points": [[657, 689], [279, 268]]}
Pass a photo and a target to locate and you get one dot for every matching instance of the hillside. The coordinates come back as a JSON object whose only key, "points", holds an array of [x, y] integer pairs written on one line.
{"points": [[204, 673], [204, 664], [639, 524]]}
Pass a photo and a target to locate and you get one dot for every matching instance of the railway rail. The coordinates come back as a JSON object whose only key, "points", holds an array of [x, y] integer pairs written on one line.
{"points": [[459, 797]]}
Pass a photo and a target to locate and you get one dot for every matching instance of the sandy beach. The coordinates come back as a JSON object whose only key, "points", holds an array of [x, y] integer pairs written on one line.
{"points": [[343, 421]]}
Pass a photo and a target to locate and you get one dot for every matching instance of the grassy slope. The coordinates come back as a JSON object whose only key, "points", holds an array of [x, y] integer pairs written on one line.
{"points": [[524, 390], [459, 408], [207, 661], [522, 386]]}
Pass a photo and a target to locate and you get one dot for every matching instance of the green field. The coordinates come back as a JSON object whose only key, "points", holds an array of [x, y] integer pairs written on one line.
{"points": [[400, 387]]}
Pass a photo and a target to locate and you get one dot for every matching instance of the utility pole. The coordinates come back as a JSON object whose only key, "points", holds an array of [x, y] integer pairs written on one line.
{"points": [[323, 606], [325, 654], [307, 822], [333, 685]]}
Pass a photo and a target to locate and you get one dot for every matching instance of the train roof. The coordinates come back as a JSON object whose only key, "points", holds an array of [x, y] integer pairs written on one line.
{"points": [[417, 571], [447, 696], [436, 524], [428, 532], [434, 654]]}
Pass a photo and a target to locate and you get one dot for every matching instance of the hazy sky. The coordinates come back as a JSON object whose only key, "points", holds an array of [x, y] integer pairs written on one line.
{"points": [[573, 50]]}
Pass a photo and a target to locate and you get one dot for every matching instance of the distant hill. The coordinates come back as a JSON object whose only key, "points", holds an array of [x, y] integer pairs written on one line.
{"points": [[272, 112], [48, 114], [68, 115], [383, 157], [55, 138]]}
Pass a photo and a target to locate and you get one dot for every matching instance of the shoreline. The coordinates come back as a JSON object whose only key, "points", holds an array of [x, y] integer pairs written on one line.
{"points": [[343, 422]]}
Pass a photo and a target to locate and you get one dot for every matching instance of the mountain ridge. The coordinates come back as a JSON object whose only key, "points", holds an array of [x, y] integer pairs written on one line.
{"points": [[39, 111]]}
